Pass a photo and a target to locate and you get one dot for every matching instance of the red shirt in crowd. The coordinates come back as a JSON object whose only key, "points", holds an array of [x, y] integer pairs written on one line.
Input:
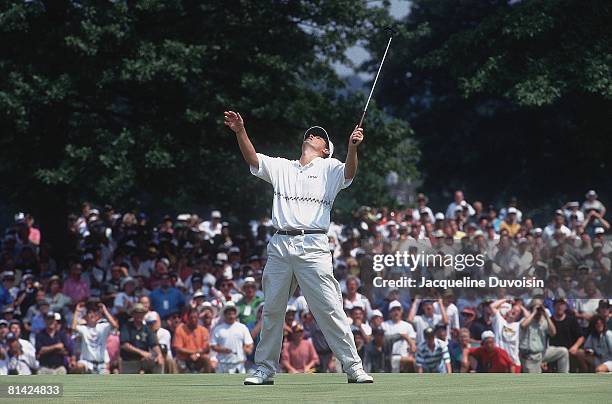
{"points": [[494, 361], [299, 355]]}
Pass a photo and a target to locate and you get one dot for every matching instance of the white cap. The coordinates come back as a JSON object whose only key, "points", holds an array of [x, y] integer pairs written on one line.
{"points": [[221, 256], [487, 334], [394, 304], [512, 209], [591, 193], [150, 317], [439, 216], [438, 233], [197, 294], [599, 230], [215, 214], [329, 142], [183, 217], [376, 313], [290, 308]]}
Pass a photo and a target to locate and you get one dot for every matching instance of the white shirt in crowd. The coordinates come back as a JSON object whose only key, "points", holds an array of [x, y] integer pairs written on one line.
{"points": [[452, 312], [401, 346], [233, 336], [549, 231], [507, 336], [303, 195], [120, 302], [165, 338], [93, 341]]}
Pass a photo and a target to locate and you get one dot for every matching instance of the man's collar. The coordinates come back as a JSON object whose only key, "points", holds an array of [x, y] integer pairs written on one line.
{"points": [[297, 163]]}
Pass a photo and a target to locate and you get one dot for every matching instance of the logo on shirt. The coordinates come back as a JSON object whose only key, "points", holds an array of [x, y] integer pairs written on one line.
{"points": [[313, 177]]}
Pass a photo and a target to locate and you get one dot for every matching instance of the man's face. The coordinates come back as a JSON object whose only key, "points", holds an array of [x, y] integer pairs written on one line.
{"points": [[351, 286], [92, 317], [193, 319], [396, 314], [249, 290], [138, 317], [560, 307], [428, 309], [15, 329], [376, 321], [289, 317], [317, 142], [3, 330], [230, 316], [488, 344], [207, 317], [458, 196], [145, 302], [513, 314], [357, 315]]}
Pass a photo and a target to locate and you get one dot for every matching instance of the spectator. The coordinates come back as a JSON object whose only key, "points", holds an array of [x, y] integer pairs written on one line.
{"points": [[402, 353], [489, 358], [459, 351], [569, 334], [52, 350], [75, 287], [166, 300], [379, 351], [26, 346], [164, 338], [592, 203], [507, 328], [232, 342], [557, 225], [429, 319], [94, 334], [59, 302], [247, 305], [457, 203], [534, 350], [482, 323], [357, 316], [191, 344], [599, 345], [125, 299], [298, 355], [15, 361], [510, 223], [140, 351], [353, 297], [6, 299], [432, 354]]}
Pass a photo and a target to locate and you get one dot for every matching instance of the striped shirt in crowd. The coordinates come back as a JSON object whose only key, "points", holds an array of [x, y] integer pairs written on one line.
{"points": [[433, 361]]}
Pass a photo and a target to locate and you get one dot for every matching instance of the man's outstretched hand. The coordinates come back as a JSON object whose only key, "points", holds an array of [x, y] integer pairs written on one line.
{"points": [[234, 121], [356, 137]]}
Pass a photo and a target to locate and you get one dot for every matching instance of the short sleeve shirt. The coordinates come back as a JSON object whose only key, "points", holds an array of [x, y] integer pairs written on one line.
{"points": [[233, 336], [303, 195], [400, 347], [93, 341], [143, 338]]}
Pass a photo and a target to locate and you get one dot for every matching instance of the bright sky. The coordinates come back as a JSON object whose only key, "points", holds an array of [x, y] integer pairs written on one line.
{"points": [[357, 54]]}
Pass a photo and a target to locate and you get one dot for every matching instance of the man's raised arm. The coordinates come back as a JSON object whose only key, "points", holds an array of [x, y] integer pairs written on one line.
{"points": [[350, 166], [234, 121]]}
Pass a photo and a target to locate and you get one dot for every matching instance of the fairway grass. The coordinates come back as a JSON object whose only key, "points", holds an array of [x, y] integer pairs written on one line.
{"points": [[323, 388]]}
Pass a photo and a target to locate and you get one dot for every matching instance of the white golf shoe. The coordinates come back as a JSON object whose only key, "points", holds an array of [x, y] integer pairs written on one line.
{"points": [[259, 377], [359, 376]]}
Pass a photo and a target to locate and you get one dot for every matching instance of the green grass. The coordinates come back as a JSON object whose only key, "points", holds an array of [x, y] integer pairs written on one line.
{"points": [[398, 388]]}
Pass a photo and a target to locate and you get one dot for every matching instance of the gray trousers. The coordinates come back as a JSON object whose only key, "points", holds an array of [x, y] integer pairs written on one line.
{"points": [[303, 260], [552, 354]]}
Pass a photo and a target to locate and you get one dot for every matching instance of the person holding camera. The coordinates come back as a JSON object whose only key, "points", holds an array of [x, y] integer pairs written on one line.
{"points": [[536, 329]]}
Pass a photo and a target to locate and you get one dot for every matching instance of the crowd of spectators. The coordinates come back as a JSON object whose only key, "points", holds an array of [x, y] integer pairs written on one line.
{"points": [[120, 294]]}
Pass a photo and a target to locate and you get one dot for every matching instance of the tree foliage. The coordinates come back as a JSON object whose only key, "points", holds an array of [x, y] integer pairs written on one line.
{"points": [[507, 97], [122, 101]]}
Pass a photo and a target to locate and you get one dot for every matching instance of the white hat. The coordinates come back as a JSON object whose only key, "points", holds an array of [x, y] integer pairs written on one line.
{"points": [[150, 317], [599, 230], [487, 334], [290, 308], [221, 256], [376, 313], [439, 216], [358, 305], [438, 233], [458, 208], [215, 214], [197, 294], [591, 193], [228, 305], [183, 217], [512, 209], [127, 279], [394, 304], [329, 142]]}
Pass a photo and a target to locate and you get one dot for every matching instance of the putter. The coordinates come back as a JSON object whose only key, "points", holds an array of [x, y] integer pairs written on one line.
{"points": [[391, 32]]}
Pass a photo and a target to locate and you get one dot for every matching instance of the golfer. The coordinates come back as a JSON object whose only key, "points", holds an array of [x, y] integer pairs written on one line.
{"points": [[304, 192]]}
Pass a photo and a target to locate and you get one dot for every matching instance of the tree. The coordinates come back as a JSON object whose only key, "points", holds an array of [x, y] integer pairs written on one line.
{"points": [[507, 97], [122, 101]]}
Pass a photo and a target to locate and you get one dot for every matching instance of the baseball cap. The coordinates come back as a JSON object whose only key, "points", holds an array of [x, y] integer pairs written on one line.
{"points": [[54, 316], [291, 308], [599, 230], [229, 306], [591, 193], [604, 304], [196, 278], [559, 212], [376, 313], [197, 294], [150, 317], [139, 308], [439, 216], [428, 332], [320, 131], [512, 209], [487, 334], [4, 322], [215, 214], [438, 233], [394, 305]]}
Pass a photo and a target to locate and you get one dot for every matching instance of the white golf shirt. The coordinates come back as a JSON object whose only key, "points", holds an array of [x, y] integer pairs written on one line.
{"points": [[93, 341], [507, 336], [234, 336], [303, 195]]}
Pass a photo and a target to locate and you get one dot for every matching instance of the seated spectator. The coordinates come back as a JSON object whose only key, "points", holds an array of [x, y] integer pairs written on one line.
{"points": [[232, 341], [52, 349], [94, 334], [26, 346], [298, 355], [489, 358], [14, 360], [402, 354], [379, 351], [598, 345], [191, 345], [139, 345], [166, 300], [432, 354], [125, 299], [536, 328], [164, 338]]}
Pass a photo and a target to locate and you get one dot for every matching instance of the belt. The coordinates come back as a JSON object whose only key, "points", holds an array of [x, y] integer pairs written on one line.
{"points": [[299, 232]]}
